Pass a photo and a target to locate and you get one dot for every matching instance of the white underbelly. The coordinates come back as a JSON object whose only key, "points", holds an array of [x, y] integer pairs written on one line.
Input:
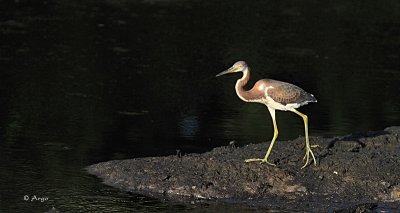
{"points": [[275, 105]]}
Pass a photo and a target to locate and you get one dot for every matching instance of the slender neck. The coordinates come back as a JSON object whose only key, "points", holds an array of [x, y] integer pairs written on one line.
{"points": [[239, 87]]}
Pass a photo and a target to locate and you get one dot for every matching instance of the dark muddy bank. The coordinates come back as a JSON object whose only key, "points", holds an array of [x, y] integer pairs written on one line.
{"points": [[355, 172]]}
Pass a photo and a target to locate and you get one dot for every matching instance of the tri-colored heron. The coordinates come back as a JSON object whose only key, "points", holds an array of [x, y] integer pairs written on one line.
{"points": [[276, 95]]}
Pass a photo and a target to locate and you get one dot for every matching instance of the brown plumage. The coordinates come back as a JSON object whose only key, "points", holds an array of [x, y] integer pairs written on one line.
{"points": [[276, 95], [286, 93], [279, 91]]}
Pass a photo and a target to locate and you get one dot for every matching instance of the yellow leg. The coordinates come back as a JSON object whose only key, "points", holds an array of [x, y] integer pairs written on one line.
{"points": [[265, 159], [308, 147]]}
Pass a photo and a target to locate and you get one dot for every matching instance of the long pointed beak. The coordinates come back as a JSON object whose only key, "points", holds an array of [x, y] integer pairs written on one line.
{"points": [[230, 70]]}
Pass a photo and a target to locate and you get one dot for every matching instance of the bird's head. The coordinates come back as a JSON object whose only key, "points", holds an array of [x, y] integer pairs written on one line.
{"points": [[239, 66]]}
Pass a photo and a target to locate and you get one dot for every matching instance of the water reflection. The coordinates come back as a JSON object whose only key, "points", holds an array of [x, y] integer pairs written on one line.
{"points": [[188, 126], [87, 82]]}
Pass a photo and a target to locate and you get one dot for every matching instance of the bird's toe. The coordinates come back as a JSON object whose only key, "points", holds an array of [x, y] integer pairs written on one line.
{"points": [[261, 160]]}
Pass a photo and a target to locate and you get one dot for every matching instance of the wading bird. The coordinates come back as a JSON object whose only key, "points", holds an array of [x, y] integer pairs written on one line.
{"points": [[276, 95]]}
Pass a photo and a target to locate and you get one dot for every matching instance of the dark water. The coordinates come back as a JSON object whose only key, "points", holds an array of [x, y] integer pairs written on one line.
{"points": [[82, 83]]}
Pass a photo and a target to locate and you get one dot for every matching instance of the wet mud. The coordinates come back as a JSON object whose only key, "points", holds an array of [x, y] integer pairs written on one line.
{"points": [[359, 172]]}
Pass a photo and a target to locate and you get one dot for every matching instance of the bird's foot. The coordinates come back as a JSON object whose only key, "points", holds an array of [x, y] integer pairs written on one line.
{"points": [[307, 156], [262, 160]]}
